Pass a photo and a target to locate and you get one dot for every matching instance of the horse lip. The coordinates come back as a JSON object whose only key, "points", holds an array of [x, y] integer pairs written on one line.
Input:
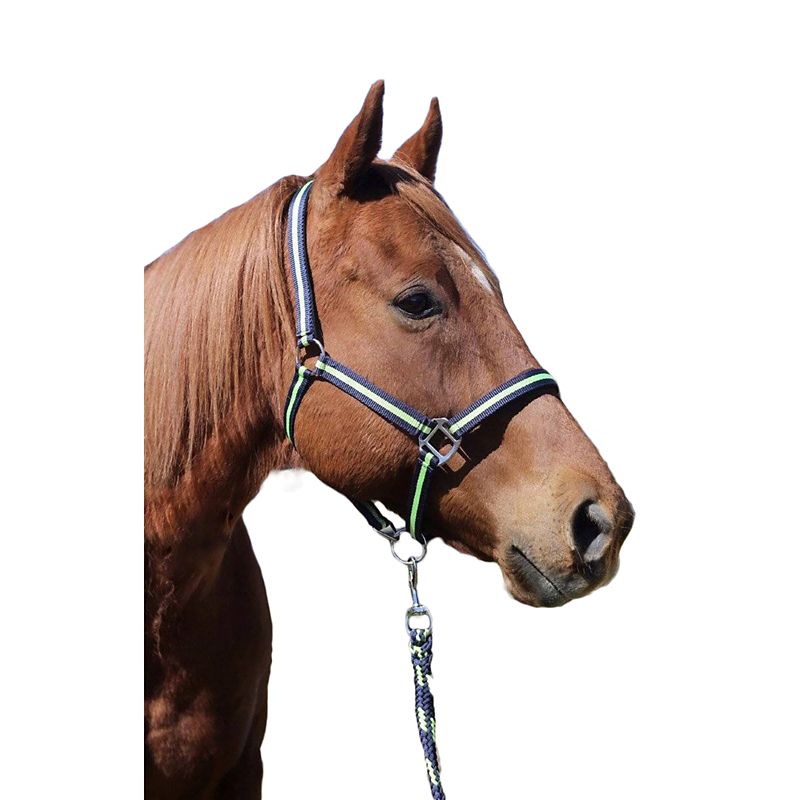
{"points": [[548, 592]]}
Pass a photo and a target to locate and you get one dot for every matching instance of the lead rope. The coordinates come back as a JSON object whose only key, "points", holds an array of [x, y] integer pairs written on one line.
{"points": [[421, 656], [421, 645]]}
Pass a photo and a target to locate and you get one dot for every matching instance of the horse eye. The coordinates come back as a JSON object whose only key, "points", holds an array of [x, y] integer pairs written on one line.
{"points": [[417, 304]]}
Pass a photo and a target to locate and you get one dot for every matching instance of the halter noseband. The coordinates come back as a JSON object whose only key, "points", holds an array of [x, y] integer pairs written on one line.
{"points": [[401, 415]]}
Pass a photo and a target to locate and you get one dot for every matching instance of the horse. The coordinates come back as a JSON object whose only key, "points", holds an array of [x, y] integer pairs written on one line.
{"points": [[405, 297]]}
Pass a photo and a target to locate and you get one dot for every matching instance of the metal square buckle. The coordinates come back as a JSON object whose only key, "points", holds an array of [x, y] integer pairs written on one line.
{"points": [[426, 444]]}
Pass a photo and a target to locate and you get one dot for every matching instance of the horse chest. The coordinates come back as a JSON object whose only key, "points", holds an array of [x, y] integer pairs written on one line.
{"points": [[207, 683]]}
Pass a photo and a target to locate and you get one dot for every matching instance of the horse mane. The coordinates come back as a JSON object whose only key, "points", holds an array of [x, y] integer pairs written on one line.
{"points": [[219, 312]]}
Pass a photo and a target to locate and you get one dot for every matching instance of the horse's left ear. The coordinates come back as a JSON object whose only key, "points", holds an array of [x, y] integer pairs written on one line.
{"points": [[422, 149]]}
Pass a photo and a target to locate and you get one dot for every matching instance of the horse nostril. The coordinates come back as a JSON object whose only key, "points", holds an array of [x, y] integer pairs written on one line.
{"points": [[590, 531]]}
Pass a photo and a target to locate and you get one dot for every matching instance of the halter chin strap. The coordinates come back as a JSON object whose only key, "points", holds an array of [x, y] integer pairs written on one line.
{"points": [[425, 429]]}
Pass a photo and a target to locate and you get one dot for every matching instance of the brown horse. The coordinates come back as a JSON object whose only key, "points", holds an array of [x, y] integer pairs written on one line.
{"points": [[405, 298]]}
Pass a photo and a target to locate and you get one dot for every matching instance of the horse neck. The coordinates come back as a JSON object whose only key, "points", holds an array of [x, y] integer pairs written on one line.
{"points": [[209, 498], [201, 505]]}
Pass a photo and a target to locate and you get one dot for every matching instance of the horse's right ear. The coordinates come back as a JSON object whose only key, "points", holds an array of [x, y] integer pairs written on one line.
{"points": [[357, 147], [421, 150]]}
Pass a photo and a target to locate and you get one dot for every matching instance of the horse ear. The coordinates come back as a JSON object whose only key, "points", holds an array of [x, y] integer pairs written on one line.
{"points": [[422, 149], [357, 146]]}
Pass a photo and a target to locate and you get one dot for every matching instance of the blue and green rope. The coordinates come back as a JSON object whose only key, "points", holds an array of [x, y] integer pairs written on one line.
{"points": [[421, 644]]}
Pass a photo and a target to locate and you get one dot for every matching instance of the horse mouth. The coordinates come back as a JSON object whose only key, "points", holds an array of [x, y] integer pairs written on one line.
{"points": [[530, 584]]}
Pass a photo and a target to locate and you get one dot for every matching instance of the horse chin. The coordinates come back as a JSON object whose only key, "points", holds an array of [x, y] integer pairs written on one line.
{"points": [[524, 582], [535, 592], [533, 584], [530, 583]]}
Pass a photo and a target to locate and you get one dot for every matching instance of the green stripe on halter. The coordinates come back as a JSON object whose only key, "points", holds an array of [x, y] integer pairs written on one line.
{"points": [[543, 376], [322, 366], [421, 478], [301, 371]]}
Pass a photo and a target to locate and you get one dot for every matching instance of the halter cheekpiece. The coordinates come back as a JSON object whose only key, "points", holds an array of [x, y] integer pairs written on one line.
{"points": [[426, 430]]}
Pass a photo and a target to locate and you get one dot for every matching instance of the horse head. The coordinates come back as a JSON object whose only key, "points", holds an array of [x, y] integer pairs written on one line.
{"points": [[406, 298]]}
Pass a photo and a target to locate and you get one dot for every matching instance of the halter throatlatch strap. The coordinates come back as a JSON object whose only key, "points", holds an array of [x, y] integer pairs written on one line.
{"points": [[300, 384], [372, 514], [386, 405]]}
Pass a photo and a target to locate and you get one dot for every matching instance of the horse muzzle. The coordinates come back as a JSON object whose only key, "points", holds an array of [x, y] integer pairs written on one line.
{"points": [[540, 573]]}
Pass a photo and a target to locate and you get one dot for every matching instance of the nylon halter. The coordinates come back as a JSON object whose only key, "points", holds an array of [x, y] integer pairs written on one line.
{"points": [[412, 422]]}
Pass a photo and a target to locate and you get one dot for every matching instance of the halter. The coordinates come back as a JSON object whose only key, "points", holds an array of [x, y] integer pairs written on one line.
{"points": [[426, 430]]}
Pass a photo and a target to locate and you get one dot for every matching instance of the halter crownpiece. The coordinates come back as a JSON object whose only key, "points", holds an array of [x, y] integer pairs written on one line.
{"points": [[427, 431]]}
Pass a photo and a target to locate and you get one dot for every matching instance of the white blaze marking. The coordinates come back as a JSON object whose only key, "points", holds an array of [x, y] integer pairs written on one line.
{"points": [[478, 272], [480, 275]]}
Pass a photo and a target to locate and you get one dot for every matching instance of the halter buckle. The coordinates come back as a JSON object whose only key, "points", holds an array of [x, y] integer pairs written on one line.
{"points": [[301, 354], [426, 444]]}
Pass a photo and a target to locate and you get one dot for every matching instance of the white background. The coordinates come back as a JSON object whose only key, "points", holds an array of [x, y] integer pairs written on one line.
{"points": [[632, 171]]}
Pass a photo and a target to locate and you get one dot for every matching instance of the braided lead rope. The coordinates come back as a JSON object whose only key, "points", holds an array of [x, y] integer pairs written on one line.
{"points": [[421, 644]]}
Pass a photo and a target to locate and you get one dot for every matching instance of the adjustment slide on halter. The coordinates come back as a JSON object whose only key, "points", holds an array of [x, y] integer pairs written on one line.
{"points": [[440, 425]]}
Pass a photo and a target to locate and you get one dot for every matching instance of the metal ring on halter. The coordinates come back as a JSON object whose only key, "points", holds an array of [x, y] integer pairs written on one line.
{"points": [[302, 347], [408, 561], [418, 611]]}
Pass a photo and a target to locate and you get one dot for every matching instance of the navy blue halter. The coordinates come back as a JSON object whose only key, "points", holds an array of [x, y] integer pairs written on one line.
{"points": [[412, 422]]}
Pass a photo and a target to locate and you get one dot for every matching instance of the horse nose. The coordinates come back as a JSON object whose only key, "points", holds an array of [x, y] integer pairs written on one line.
{"points": [[594, 531], [591, 532]]}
